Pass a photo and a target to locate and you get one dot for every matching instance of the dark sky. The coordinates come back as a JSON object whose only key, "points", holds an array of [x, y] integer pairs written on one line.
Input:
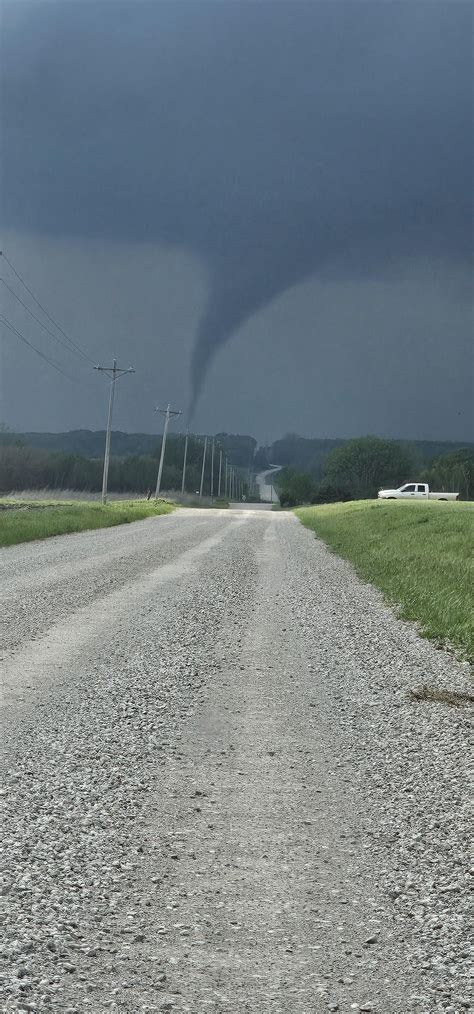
{"points": [[264, 206]]}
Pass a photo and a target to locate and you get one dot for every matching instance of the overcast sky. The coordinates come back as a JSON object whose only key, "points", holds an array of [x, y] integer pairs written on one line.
{"points": [[263, 206]]}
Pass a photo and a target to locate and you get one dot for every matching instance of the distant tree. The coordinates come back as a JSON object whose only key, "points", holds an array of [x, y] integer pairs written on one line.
{"points": [[23, 468], [311, 454], [453, 472], [367, 463], [304, 453], [9, 439], [261, 459], [294, 488], [239, 449], [331, 492]]}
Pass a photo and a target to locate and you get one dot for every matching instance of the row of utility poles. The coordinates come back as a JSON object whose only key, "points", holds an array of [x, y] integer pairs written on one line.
{"points": [[229, 484]]}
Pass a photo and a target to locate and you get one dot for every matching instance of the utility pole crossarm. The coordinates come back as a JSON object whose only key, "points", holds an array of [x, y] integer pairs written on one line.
{"points": [[114, 372], [168, 411]]}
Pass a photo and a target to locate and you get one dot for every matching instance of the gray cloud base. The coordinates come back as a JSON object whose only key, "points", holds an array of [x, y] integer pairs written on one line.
{"points": [[276, 141]]}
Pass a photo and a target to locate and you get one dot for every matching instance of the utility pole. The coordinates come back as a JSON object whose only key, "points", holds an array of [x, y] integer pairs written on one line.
{"points": [[167, 412], [203, 466], [114, 373], [184, 461], [212, 468], [220, 474], [225, 479]]}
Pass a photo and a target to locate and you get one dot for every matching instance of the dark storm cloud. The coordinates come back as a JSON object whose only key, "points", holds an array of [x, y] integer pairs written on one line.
{"points": [[274, 139]]}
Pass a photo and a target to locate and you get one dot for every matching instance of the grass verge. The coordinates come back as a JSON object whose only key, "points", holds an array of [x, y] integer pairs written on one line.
{"points": [[419, 555], [40, 520]]}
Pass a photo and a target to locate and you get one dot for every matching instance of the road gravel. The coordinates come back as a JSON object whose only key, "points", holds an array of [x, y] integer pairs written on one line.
{"points": [[218, 794]]}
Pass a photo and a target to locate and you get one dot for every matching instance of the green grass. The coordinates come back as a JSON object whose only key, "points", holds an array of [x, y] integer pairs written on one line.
{"points": [[42, 519], [419, 555]]}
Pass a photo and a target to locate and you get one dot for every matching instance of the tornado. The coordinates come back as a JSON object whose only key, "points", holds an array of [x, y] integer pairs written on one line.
{"points": [[267, 259]]}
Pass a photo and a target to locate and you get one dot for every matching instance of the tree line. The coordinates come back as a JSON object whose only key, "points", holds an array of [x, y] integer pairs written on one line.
{"points": [[239, 448], [310, 454], [359, 468], [23, 466], [335, 470]]}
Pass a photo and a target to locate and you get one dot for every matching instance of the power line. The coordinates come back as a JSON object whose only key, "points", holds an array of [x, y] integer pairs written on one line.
{"points": [[71, 341], [38, 321], [21, 336]]}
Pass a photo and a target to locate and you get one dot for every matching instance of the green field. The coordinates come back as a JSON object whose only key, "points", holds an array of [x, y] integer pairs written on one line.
{"points": [[40, 520], [419, 555]]}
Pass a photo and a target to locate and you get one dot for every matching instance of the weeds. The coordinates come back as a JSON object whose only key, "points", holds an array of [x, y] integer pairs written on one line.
{"points": [[24, 522], [453, 697]]}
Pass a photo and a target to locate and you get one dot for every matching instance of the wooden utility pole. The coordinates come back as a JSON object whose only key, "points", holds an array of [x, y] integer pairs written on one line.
{"points": [[114, 372]]}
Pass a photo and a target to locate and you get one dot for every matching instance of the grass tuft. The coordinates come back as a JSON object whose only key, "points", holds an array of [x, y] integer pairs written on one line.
{"points": [[418, 554], [29, 520], [453, 697]]}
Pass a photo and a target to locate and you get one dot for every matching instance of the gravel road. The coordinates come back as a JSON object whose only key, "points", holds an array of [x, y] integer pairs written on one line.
{"points": [[219, 795]]}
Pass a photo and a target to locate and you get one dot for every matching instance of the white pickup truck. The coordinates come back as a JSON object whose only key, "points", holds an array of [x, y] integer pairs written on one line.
{"points": [[414, 491]]}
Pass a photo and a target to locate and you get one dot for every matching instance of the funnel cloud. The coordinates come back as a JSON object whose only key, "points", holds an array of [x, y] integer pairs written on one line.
{"points": [[277, 142]]}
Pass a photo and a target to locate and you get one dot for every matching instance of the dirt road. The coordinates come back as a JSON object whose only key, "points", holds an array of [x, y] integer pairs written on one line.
{"points": [[219, 796]]}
